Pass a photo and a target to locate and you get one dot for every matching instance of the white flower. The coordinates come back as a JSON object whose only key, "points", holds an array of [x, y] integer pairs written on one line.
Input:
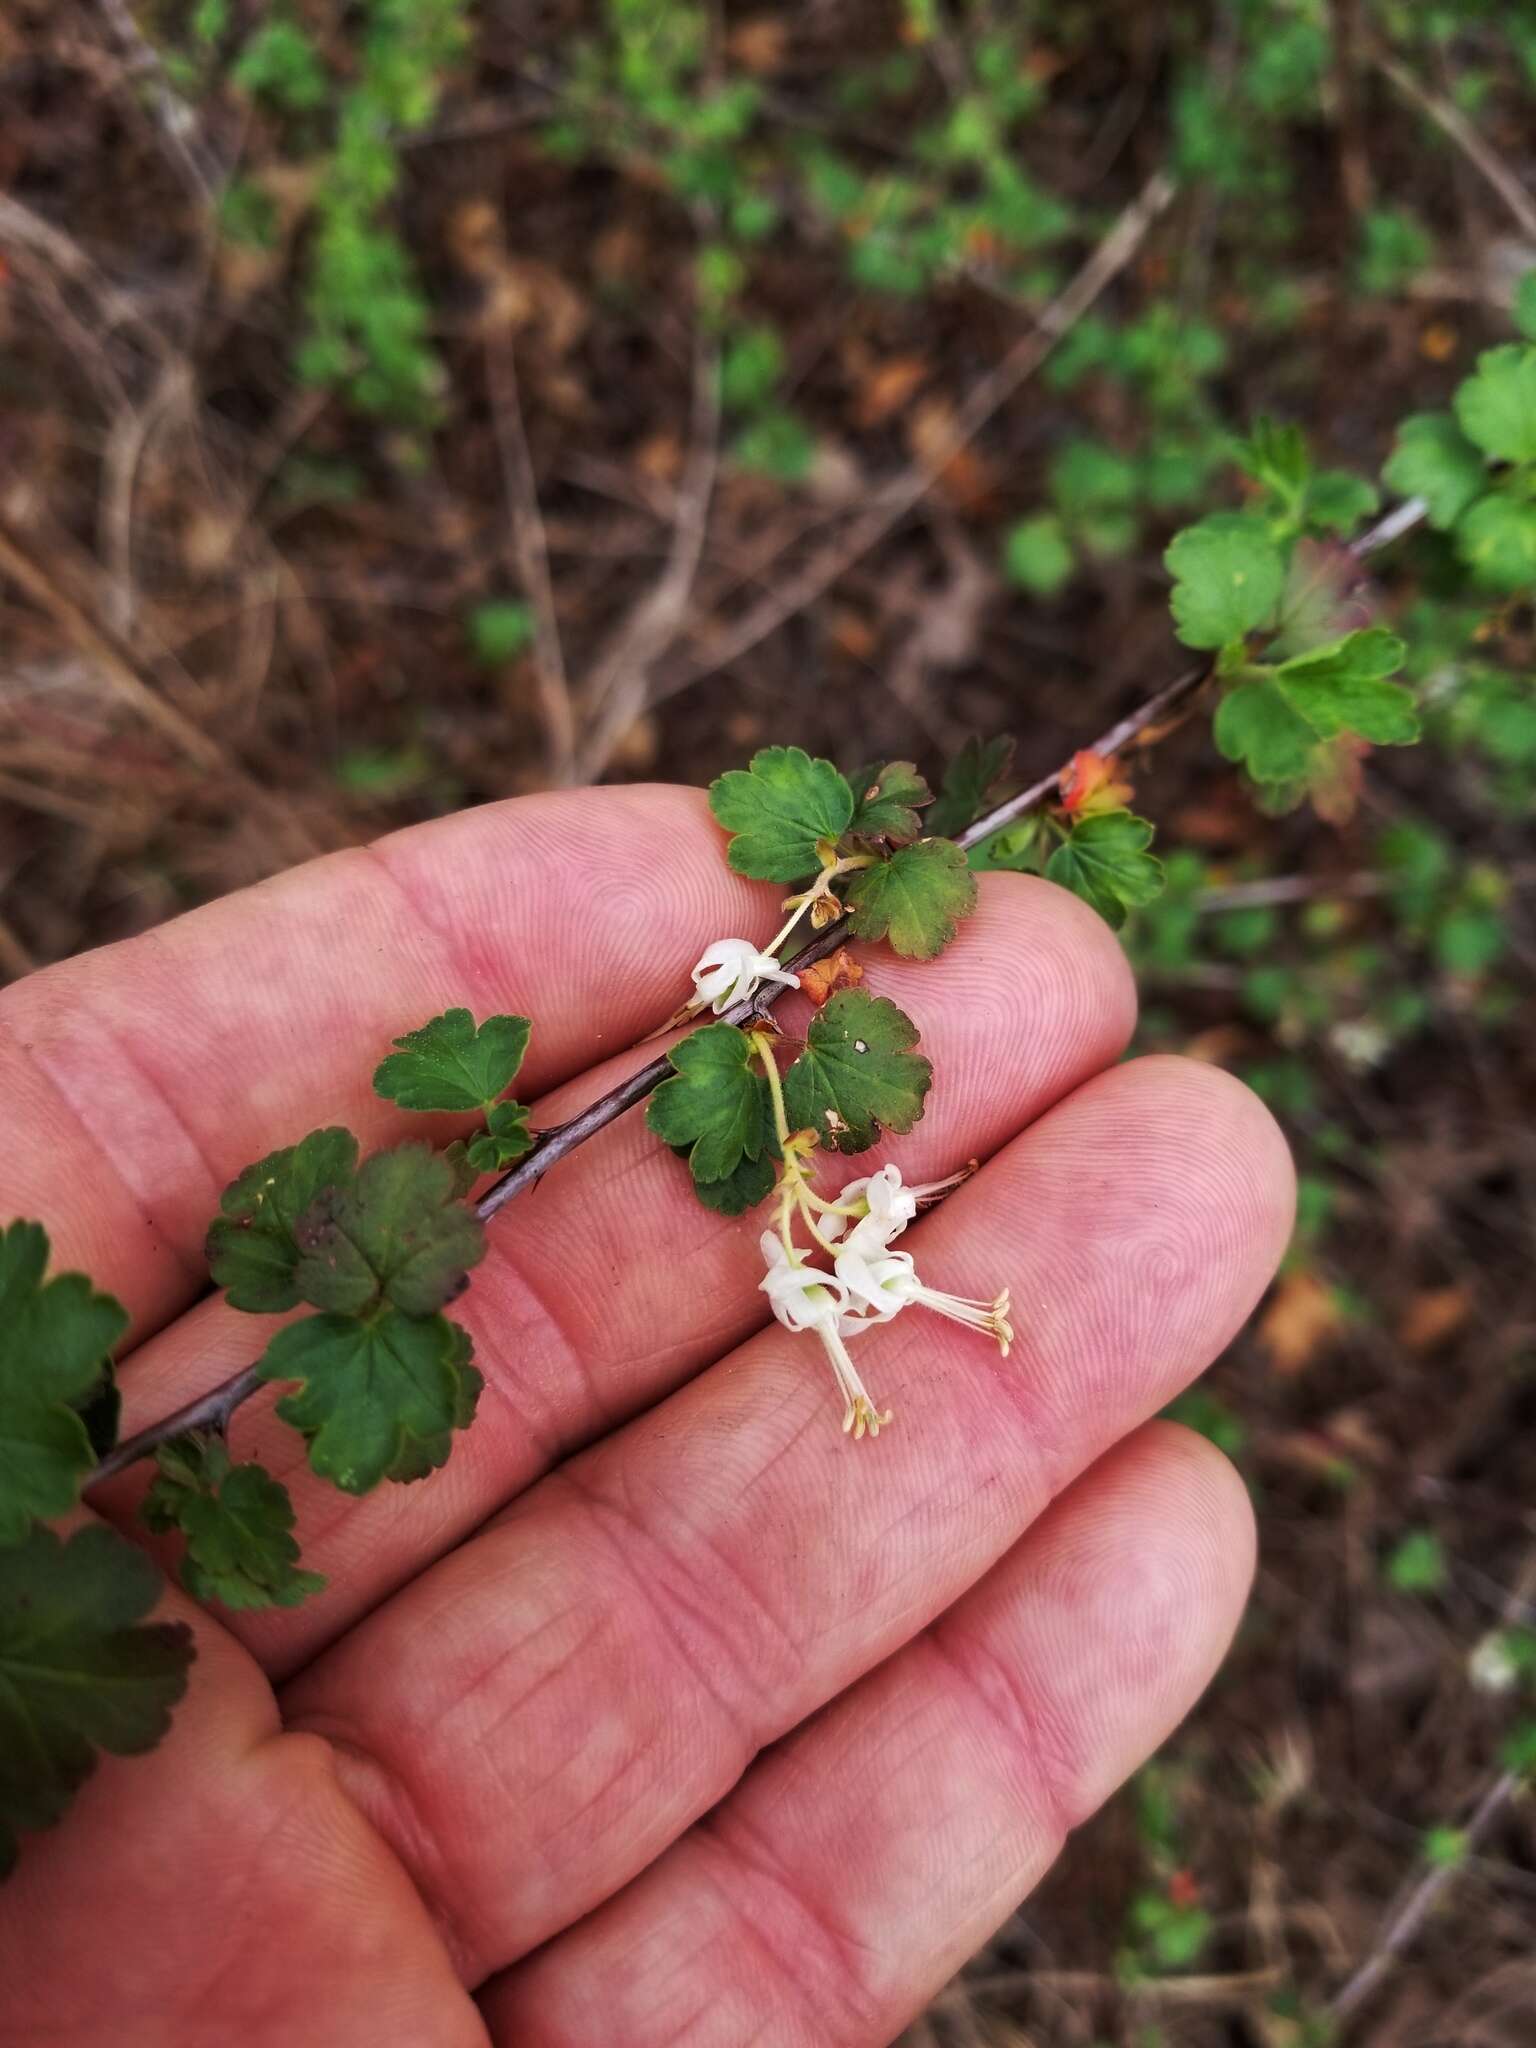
{"points": [[802, 1296], [805, 1298], [889, 1206], [881, 1283], [731, 970], [1491, 1667]]}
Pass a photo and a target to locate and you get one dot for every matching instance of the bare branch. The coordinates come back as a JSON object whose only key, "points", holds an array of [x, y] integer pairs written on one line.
{"points": [[987, 396], [530, 551], [1455, 126], [177, 125], [617, 690]]}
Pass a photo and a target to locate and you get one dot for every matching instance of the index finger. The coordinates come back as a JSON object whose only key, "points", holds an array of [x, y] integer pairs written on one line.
{"points": [[139, 1079]]}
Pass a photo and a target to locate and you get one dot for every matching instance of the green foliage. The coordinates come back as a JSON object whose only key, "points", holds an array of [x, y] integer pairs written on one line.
{"points": [[1167, 1935], [751, 1183], [79, 1676], [779, 810], [972, 785], [1434, 460], [56, 1339], [309, 1224], [1104, 859], [1445, 1848], [1274, 720], [253, 1250], [1417, 1563], [453, 1064], [1228, 576], [393, 1234], [237, 1521], [505, 1139], [889, 802], [500, 630], [716, 1103], [858, 1073], [379, 1398], [1497, 405], [914, 899], [1037, 555], [1394, 249], [281, 65]]}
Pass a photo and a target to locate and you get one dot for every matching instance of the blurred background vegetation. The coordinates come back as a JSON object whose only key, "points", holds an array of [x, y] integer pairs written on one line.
{"points": [[410, 403]]}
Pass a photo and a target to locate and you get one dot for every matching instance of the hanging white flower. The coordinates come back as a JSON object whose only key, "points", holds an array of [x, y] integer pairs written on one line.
{"points": [[731, 970]]}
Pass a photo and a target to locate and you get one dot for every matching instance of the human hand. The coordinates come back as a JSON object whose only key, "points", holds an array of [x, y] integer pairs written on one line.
{"points": [[664, 1712]]}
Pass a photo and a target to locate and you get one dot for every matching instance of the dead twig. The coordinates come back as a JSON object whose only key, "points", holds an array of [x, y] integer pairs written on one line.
{"points": [[903, 492], [176, 124], [1455, 126], [529, 550], [619, 685], [1419, 1901]]}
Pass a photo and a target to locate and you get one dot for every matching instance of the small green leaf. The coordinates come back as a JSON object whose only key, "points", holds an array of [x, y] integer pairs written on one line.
{"points": [[971, 785], [1037, 556], [77, 1677], [888, 802], [1417, 1564], [56, 1339], [449, 1064], [778, 810], [1256, 726], [252, 1252], [1496, 538], [1343, 687], [1228, 576], [1434, 460], [237, 1521], [500, 630], [858, 1073], [1336, 501], [396, 1232], [914, 898], [505, 1139], [379, 1399], [1525, 305], [751, 1183], [1497, 404], [1106, 862], [1013, 850], [717, 1103], [1276, 456]]}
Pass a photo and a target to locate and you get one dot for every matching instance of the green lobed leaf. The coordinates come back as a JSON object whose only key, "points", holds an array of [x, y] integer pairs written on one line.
{"points": [[717, 1104], [1497, 404], [1276, 456], [77, 1676], [504, 1140], [251, 1250], [1037, 555], [237, 1521], [1433, 460], [1337, 501], [1496, 538], [1525, 305], [56, 1339], [396, 1232], [1255, 725], [450, 1064], [778, 809], [971, 785], [379, 1398], [1013, 850], [913, 899], [1105, 861], [858, 1073], [751, 1183], [1228, 576], [1343, 687], [888, 800]]}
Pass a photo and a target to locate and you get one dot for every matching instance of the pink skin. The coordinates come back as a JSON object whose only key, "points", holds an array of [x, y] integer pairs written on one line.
{"points": [[483, 1732]]}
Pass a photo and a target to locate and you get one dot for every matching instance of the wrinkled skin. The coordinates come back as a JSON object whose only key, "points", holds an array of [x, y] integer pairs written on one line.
{"points": [[664, 1714]]}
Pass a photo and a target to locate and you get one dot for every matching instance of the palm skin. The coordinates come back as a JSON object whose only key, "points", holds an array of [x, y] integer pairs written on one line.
{"points": [[663, 1714]]}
